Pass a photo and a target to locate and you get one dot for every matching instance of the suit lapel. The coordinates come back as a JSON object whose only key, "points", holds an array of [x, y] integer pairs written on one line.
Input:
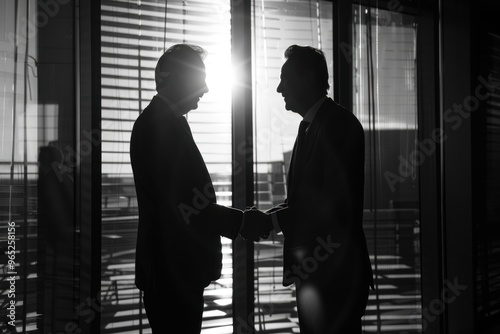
{"points": [[182, 125], [307, 149], [291, 169], [312, 133], [186, 137]]}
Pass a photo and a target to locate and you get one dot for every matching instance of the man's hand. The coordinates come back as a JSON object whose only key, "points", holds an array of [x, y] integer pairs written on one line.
{"points": [[256, 225]]}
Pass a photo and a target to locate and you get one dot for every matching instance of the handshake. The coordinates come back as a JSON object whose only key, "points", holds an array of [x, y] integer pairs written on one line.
{"points": [[256, 225]]}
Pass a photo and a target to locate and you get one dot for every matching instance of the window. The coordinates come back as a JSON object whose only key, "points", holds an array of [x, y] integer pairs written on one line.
{"points": [[134, 36], [42, 147], [276, 26], [384, 90]]}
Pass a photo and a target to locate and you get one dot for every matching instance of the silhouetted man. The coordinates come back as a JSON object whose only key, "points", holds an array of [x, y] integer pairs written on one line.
{"points": [[178, 242], [325, 252]]}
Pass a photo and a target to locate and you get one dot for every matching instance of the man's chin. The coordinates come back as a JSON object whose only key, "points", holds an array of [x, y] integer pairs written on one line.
{"points": [[194, 105], [191, 105]]}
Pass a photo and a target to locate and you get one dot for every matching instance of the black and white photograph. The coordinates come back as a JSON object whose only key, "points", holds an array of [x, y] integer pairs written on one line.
{"points": [[249, 166]]}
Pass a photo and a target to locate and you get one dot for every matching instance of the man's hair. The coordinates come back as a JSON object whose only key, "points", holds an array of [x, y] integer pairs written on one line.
{"points": [[307, 58], [177, 59]]}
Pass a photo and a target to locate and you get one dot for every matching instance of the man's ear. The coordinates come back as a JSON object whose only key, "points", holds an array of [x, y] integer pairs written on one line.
{"points": [[310, 78], [161, 77], [169, 81]]}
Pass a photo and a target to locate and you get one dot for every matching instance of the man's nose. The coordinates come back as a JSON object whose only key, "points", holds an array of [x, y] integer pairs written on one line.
{"points": [[204, 88], [279, 88]]}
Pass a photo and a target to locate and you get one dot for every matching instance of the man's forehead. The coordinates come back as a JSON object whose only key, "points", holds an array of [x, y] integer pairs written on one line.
{"points": [[285, 68], [196, 66]]}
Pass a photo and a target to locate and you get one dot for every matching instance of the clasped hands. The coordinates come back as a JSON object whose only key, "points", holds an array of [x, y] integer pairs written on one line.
{"points": [[256, 225]]}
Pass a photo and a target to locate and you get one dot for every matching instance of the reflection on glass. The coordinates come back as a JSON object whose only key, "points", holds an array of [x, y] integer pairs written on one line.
{"points": [[276, 26], [134, 35], [39, 159], [24, 136], [384, 90]]}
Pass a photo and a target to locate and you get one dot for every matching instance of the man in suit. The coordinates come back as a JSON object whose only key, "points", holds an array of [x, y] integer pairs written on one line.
{"points": [[178, 249], [325, 251]]}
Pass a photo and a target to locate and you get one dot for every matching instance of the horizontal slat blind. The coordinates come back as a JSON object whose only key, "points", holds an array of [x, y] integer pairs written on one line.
{"points": [[277, 25], [134, 35], [384, 91], [487, 142]]}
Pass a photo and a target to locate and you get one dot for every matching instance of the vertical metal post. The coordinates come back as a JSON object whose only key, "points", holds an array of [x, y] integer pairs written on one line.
{"points": [[342, 53], [88, 175], [57, 85], [431, 234], [242, 149], [457, 93], [25, 176]]}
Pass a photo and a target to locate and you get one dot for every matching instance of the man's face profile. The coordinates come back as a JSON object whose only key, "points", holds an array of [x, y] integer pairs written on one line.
{"points": [[185, 85], [290, 87], [191, 85]]}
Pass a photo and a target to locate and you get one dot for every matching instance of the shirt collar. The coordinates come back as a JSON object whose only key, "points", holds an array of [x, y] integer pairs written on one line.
{"points": [[309, 115], [171, 105]]}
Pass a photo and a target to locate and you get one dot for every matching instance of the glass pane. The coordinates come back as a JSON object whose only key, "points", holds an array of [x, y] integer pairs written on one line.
{"points": [[277, 25], [39, 160], [22, 130], [385, 101], [134, 35]]}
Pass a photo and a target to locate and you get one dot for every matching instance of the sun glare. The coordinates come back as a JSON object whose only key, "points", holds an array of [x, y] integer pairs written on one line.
{"points": [[220, 77]]}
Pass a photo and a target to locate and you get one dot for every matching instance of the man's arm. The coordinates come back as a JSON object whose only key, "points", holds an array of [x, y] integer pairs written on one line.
{"points": [[226, 221], [256, 225]]}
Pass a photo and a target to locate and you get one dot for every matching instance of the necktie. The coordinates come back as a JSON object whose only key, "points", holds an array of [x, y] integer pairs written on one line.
{"points": [[299, 147], [301, 137]]}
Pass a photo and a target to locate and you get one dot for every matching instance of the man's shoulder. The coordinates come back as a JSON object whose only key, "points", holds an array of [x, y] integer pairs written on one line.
{"points": [[154, 114], [154, 123], [156, 107], [333, 114]]}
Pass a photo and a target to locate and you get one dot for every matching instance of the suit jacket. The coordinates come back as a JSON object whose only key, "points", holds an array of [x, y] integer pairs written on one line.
{"points": [[322, 218], [180, 224]]}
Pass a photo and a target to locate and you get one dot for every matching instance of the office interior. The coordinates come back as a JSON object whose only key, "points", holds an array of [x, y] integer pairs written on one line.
{"points": [[423, 78]]}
